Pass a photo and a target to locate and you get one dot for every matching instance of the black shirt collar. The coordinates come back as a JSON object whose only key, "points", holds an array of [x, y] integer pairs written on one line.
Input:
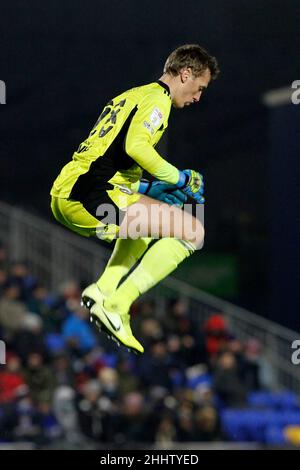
{"points": [[164, 85]]}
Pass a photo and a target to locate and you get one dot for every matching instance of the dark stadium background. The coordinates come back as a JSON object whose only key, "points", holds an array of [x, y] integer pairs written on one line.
{"points": [[62, 60]]}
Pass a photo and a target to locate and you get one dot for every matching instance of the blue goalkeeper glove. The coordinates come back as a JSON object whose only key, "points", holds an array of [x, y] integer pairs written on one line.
{"points": [[162, 191], [192, 184]]}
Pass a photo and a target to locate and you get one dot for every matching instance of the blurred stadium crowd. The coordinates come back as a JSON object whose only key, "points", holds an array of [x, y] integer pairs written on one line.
{"points": [[63, 382]]}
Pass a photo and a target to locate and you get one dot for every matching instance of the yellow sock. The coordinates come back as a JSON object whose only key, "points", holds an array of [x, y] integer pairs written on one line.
{"points": [[159, 261], [124, 256]]}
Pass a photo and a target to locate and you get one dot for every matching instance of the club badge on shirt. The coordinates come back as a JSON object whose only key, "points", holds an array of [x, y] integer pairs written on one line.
{"points": [[156, 117]]}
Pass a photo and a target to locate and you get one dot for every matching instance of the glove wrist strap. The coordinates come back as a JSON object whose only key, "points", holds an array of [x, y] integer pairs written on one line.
{"points": [[183, 180], [144, 186]]}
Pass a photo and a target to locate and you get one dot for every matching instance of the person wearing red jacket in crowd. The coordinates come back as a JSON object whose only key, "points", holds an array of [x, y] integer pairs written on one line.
{"points": [[216, 334], [11, 379]]}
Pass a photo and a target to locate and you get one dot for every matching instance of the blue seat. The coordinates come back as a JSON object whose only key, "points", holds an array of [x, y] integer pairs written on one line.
{"points": [[275, 400], [256, 425], [274, 435], [233, 424]]}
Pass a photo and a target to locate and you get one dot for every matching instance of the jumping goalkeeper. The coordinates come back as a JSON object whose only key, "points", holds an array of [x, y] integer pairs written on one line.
{"points": [[106, 172]]}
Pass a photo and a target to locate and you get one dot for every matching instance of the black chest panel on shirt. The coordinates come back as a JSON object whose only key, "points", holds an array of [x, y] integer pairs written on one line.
{"points": [[102, 170]]}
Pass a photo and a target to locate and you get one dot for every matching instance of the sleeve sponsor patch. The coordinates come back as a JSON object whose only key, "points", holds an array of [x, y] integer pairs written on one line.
{"points": [[147, 125], [156, 117]]}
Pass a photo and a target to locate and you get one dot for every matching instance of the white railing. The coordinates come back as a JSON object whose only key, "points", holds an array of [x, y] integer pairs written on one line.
{"points": [[55, 255]]}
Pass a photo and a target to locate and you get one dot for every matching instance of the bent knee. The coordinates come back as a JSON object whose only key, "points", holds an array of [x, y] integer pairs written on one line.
{"points": [[195, 233]]}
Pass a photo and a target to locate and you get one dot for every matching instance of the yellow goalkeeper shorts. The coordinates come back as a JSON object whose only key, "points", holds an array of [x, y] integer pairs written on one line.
{"points": [[102, 221]]}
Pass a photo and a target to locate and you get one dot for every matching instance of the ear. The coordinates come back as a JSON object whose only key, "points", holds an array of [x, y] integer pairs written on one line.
{"points": [[185, 74]]}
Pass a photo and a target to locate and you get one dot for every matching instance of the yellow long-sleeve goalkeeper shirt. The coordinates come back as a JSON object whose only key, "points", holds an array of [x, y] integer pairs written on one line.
{"points": [[121, 145]]}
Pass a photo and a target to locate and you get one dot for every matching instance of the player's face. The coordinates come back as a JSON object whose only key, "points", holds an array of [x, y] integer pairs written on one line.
{"points": [[190, 88]]}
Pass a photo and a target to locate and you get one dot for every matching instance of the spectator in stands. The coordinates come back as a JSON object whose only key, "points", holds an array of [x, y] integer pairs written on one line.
{"points": [[12, 311], [192, 349], [109, 381], [259, 373], [30, 337], [71, 293], [50, 427], [65, 412], [90, 414], [216, 335], [21, 421], [39, 378], [12, 382], [227, 383], [185, 421], [35, 303], [134, 420], [207, 427], [166, 432], [141, 310], [178, 319], [154, 367], [63, 371], [177, 360], [203, 395], [128, 382], [151, 330], [20, 276], [77, 332]]}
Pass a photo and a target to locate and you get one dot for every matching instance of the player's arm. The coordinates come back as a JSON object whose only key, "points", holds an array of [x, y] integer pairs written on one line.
{"points": [[139, 146], [139, 139]]}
